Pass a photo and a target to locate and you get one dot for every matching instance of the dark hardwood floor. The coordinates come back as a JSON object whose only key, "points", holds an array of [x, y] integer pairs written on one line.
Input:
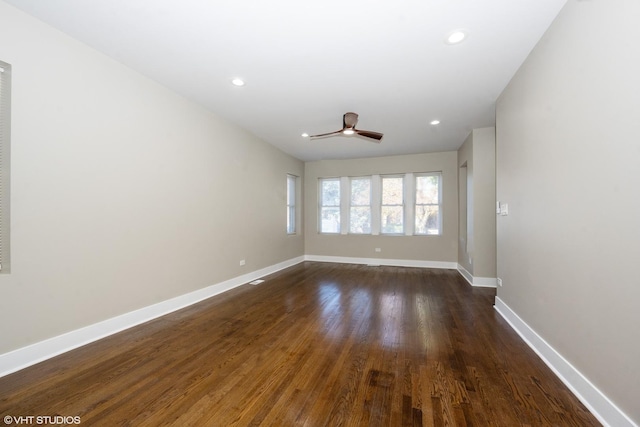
{"points": [[317, 344]]}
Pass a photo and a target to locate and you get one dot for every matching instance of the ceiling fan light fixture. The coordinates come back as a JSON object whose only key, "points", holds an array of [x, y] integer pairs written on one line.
{"points": [[305, 135], [237, 82], [348, 131], [456, 37]]}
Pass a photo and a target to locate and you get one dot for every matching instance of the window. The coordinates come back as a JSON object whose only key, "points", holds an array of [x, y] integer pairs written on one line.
{"points": [[330, 205], [360, 207], [392, 208], [5, 121], [291, 204], [376, 204], [428, 201]]}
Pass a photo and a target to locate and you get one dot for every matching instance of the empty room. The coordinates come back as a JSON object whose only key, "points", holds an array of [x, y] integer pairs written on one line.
{"points": [[340, 213]]}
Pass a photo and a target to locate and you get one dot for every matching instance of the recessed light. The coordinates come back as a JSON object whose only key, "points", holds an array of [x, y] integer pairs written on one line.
{"points": [[237, 82], [305, 135], [456, 37], [435, 122]]}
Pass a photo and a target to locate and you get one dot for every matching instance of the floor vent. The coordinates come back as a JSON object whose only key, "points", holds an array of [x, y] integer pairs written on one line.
{"points": [[256, 282]]}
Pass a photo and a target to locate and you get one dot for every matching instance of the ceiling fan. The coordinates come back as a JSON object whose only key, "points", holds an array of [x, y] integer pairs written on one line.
{"points": [[349, 121]]}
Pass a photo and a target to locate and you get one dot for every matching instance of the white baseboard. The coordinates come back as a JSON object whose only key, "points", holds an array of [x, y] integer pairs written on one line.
{"points": [[484, 282], [600, 406], [30, 355], [382, 261]]}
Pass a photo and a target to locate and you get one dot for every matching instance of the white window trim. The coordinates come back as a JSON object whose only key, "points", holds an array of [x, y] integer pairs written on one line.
{"points": [[292, 208], [376, 204], [345, 209], [408, 205], [409, 200]]}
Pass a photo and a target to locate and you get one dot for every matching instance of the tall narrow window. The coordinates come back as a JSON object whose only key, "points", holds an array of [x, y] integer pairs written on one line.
{"points": [[428, 201], [291, 204], [360, 207], [330, 205], [392, 209], [5, 121]]}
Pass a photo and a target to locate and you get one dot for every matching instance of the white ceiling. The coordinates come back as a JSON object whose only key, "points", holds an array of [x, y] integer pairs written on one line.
{"points": [[306, 63]]}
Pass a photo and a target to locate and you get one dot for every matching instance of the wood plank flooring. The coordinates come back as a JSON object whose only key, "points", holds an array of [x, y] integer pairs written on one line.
{"points": [[317, 344]]}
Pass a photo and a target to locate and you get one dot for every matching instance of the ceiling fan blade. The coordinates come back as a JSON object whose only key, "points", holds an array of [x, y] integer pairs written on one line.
{"points": [[323, 135], [368, 134], [349, 120]]}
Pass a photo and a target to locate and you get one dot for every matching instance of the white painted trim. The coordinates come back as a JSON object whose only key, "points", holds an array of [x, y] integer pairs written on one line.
{"points": [[30, 355], [468, 276], [483, 282], [600, 406], [382, 261]]}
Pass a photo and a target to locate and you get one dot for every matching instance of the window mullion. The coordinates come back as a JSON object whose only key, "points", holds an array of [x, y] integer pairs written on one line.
{"points": [[376, 204], [409, 204], [345, 199]]}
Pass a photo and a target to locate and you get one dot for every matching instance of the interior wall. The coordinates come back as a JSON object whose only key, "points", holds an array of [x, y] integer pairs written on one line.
{"points": [[422, 248], [484, 202], [124, 194], [465, 204], [567, 154], [477, 203]]}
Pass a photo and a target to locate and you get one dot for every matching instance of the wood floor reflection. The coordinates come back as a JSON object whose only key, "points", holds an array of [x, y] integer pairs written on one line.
{"points": [[317, 344]]}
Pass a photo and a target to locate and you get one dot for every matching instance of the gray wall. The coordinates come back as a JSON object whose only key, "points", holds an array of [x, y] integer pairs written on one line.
{"points": [[567, 156], [124, 194], [422, 248], [477, 203]]}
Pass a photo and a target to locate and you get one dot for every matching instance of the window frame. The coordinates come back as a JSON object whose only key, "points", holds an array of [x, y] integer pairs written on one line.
{"points": [[352, 205], [409, 205], [321, 205], [402, 205], [439, 204], [292, 203]]}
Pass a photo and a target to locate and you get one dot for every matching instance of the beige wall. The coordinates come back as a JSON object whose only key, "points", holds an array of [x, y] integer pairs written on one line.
{"points": [[484, 202], [465, 204], [423, 248], [477, 196], [567, 156], [124, 194]]}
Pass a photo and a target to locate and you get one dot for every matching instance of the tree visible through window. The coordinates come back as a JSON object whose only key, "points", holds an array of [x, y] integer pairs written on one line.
{"points": [[392, 213], [360, 211], [428, 204], [330, 205], [376, 204]]}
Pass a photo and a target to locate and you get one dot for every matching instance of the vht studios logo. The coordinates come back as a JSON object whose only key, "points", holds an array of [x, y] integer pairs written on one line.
{"points": [[40, 420]]}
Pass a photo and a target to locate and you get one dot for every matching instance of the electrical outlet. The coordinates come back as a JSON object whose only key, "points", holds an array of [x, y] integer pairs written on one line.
{"points": [[378, 250], [242, 262], [499, 280]]}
